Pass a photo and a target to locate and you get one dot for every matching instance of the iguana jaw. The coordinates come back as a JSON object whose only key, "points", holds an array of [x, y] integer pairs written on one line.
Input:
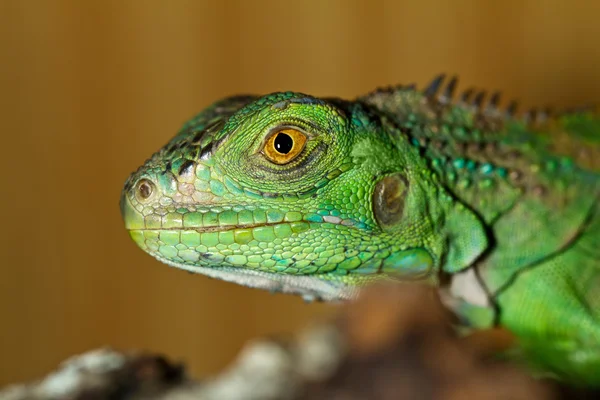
{"points": [[179, 247], [311, 288], [212, 240]]}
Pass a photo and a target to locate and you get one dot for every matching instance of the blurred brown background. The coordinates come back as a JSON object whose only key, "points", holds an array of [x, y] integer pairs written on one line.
{"points": [[89, 89]]}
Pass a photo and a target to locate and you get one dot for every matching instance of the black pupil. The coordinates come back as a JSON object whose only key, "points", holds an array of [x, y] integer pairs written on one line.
{"points": [[283, 143]]}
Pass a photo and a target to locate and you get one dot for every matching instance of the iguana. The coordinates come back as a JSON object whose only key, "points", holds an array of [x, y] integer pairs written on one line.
{"points": [[321, 196]]}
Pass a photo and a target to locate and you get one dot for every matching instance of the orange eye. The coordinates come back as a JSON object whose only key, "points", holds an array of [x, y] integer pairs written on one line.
{"points": [[284, 146]]}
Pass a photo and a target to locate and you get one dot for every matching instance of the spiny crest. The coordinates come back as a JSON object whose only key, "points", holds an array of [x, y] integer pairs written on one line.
{"points": [[476, 102], [442, 92], [436, 91]]}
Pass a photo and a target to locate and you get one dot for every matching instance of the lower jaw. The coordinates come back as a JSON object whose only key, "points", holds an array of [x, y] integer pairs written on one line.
{"points": [[310, 287], [251, 248]]}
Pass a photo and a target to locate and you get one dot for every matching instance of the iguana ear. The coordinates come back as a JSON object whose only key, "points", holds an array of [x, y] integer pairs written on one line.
{"points": [[397, 205], [466, 237]]}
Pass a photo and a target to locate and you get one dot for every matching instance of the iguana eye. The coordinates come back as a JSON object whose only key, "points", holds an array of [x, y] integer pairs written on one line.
{"points": [[284, 145]]}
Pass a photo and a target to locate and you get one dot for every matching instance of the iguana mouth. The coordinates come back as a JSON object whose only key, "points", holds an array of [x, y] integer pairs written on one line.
{"points": [[224, 221], [210, 228]]}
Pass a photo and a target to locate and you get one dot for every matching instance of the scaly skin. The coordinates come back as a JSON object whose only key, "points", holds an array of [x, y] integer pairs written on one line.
{"points": [[501, 213]]}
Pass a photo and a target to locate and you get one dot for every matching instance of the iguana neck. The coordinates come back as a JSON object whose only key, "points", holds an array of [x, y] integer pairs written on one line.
{"points": [[464, 149], [485, 156]]}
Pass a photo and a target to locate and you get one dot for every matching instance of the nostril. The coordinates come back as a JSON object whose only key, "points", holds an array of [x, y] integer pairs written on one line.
{"points": [[144, 189]]}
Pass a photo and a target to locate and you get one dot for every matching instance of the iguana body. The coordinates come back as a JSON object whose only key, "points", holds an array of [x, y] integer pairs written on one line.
{"points": [[318, 197]]}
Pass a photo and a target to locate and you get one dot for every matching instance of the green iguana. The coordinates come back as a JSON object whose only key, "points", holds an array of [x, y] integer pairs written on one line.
{"points": [[320, 196]]}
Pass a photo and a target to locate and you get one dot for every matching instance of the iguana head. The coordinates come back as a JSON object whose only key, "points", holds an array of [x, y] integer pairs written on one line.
{"points": [[290, 193]]}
